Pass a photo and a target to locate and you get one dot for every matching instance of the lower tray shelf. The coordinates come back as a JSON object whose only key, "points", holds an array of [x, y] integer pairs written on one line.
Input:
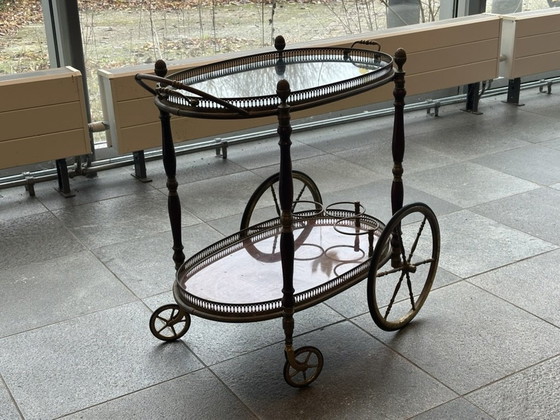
{"points": [[239, 279]]}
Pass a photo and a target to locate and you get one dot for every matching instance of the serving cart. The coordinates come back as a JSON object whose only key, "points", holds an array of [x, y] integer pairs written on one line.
{"points": [[304, 251]]}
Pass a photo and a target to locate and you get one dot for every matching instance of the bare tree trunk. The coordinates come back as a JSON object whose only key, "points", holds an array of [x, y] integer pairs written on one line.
{"points": [[271, 21], [155, 37], [214, 31], [262, 22], [200, 20]]}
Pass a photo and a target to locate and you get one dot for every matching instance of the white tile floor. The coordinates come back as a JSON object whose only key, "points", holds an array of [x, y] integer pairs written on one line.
{"points": [[79, 278]]}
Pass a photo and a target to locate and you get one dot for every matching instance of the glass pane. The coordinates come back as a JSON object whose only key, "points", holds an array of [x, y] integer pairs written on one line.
{"points": [[122, 33], [136, 32], [514, 6], [23, 43]]}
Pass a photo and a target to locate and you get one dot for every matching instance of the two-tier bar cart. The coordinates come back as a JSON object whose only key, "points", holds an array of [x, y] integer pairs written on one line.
{"points": [[304, 252]]}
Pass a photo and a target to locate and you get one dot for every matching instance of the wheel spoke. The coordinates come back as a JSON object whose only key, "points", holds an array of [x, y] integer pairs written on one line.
{"points": [[275, 199], [395, 293], [428, 261], [410, 293], [306, 361], [298, 197], [274, 244], [401, 246], [418, 234], [387, 272]]}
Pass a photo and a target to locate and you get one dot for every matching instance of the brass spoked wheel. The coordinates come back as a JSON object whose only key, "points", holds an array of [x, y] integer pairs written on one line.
{"points": [[403, 266], [306, 368], [264, 204], [169, 322]]}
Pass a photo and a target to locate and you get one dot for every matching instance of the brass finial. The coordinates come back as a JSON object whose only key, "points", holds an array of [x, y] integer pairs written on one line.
{"points": [[279, 43], [400, 59], [160, 68], [283, 90]]}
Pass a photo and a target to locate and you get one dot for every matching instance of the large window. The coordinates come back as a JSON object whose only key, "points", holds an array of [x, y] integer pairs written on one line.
{"points": [[118, 33], [121, 33]]}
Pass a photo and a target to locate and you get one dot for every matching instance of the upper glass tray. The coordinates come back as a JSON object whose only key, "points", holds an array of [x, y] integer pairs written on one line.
{"points": [[246, 86]]}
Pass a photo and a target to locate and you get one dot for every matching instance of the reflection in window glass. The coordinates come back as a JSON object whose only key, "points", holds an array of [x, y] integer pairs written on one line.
{"points": [[135, 32], [121, 33], [515, 6]]}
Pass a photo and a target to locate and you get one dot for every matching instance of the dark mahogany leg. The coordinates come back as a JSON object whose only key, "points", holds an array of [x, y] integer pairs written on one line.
{"points": [[170, 166], [286, 196], [302, 365], [397, 189]]}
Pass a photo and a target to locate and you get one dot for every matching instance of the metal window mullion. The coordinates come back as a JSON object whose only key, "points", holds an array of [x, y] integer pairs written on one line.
{"points": [[64, 41]]}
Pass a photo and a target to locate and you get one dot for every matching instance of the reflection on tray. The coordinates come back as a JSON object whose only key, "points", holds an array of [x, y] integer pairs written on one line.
{"points": [[246, 268]]}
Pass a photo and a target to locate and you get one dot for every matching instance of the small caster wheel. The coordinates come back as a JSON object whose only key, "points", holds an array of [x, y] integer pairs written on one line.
{"points": [[169, 322], [403, 266], [309, 363]]}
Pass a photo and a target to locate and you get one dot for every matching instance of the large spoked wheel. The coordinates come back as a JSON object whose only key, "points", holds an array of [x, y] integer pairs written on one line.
{"points": [[169, 322], [307, 367], [403, 266], [264, 204]]}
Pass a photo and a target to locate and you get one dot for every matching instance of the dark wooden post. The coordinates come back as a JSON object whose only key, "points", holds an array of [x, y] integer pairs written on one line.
{"points": [[398, 145], [286, 192], [399, 92], [170, 166]]}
